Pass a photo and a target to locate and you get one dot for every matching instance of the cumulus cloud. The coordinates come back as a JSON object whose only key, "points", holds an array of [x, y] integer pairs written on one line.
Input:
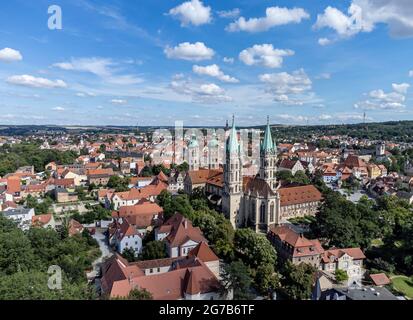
{"points": [[192, 12], [378, 99], [10, 55], [401, 88], [213, 71], [234, 13], [101, 67], [265, 55], [288, 88], [197, 51], [274, 16], [231, 60], [207, 93], [364, 15], [35, 82]]}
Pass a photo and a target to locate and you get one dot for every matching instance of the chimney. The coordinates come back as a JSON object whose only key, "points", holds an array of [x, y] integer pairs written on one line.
{"points": [[186, 224]]}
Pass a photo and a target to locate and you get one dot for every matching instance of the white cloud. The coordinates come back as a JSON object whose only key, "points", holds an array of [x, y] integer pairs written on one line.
{"points": [[119, 101], [274, 16], [364, 15], [234, 13], [190, 51], [101, 67], [401, 88], [34, 82], [411, 73], [213, 71], [10, 55], [265, 55], [192, 12], [378, 99], [231, 60], [59, 109], [324, 41], [207, 93], [288, 88]]}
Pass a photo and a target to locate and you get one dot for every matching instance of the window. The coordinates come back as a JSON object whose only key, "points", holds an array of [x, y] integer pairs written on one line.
{"points": [[272, 212], [262, 213]]}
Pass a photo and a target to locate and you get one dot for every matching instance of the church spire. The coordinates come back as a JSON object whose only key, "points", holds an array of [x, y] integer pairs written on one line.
{"points": [[233, 145], [268, 145]]}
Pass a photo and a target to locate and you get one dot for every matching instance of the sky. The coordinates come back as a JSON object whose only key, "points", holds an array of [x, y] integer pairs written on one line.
{"points": [[154, 62]]}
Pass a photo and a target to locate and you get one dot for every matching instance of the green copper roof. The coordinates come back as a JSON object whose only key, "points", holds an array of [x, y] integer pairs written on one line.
{"points": [[268, 144], [233, 146], [214, 140], [194, 142]]}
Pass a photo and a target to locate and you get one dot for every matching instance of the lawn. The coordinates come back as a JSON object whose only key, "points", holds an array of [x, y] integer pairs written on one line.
{"points": [[404, 285]]}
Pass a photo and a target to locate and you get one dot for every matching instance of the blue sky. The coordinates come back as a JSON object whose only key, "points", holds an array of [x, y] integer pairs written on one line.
{"points": [[154, 62]]}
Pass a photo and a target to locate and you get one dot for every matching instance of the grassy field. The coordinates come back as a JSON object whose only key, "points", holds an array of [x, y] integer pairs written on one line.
{"points": [[404, 285]]}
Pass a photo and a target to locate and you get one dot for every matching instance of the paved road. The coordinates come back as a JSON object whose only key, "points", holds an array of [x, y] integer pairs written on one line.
{"points": [[105, 250]]}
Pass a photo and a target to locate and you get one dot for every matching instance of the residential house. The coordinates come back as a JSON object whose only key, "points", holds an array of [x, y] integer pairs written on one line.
{"points": [[22, 216], [291, 166], [183, 279], [126, 236], [99, 177], [144, 216], [198, 178], [180, 235], [44, 221]]}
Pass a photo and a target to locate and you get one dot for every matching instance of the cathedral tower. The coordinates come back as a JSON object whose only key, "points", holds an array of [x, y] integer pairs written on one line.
{"points": [[213, 152], [268, 159], [232, 194], [193, 154]]}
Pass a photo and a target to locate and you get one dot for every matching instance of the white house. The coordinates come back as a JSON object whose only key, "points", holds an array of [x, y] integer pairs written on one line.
{"points": [[127, 237], [21, 215], [180, 236]]}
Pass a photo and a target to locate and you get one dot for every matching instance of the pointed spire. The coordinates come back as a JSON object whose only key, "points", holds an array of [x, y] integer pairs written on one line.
{"points": [[268, 143], [233, 146]]}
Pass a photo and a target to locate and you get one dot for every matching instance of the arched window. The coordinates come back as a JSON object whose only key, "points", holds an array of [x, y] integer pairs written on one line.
{"points": [[262, 213], [272, 212]]}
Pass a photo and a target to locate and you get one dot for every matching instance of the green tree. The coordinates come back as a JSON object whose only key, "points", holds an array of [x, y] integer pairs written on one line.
{"points": [[266, 279], [341, 275], [298, 281], [154, 250], [236, 277], [253, 248], [129, 254], [142, 294]]}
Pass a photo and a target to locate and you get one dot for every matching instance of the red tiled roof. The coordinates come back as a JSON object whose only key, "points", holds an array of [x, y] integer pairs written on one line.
{"points": [[302, 246], [380, 279], [13, 184], [203, 251], [355, 253], [299, 195], [201, 176], [41, 219], [182, 231]]}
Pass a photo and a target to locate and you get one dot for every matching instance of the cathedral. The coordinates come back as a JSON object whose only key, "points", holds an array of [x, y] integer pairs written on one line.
{"points": [[259, 201], [248, 197]]}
